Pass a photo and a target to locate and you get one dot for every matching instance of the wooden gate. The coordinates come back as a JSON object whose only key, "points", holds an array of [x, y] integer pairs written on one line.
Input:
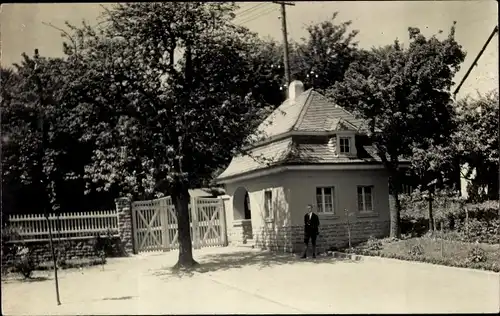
{"points": [[155, 224]]}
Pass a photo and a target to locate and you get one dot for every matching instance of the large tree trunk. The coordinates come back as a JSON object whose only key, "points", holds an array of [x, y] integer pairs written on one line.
{"points": [[180, 198], [395, 215]]}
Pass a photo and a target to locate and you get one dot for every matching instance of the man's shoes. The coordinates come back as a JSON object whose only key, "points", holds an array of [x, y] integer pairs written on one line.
{"points": [[303, 257], [314, 255]]}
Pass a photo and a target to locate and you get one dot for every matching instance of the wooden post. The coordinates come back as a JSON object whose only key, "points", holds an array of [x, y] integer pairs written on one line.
{"points": [[194, 223], [47, 215], [223, 224], [168, 202], [163, 209], [135, 239]]}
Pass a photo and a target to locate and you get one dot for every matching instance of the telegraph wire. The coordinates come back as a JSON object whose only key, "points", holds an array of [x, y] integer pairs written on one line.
{"points": [[249, 10], [261, 14]]}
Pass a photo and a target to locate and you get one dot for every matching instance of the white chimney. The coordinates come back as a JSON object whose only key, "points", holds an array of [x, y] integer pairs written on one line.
{"points": [[295, 89]]}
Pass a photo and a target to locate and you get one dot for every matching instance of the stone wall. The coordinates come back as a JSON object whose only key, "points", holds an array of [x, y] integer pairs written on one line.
{"points": [[241, 232], [274, 238], [291, 239], [64, 249]]}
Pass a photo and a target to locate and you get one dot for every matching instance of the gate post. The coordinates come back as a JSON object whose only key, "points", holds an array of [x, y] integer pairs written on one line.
{"points": [[164, 212], [222, 210], [125, 218], [194, 223]]}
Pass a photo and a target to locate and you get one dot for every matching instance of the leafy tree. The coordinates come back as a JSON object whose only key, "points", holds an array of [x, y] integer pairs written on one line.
{"points": [[166, 92], [476, 142], [322, 58], [404, 94], [30, 94], [318, 60], [433, 165]]}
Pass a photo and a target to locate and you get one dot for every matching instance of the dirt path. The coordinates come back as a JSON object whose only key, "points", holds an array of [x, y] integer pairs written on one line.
{"points": [[247, 281]]}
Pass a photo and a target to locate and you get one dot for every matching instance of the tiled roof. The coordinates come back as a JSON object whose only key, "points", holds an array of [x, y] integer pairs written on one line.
{"points": [[310, 112], [284, 118], [319, 113], [325, 153], [260, 158]]}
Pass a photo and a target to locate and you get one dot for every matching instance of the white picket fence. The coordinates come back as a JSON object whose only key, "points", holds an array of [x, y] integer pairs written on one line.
{"points": [[65, 226]]}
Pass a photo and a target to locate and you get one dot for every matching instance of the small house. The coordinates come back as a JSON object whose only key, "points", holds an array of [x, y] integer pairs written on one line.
{"points": [[311, 152]]}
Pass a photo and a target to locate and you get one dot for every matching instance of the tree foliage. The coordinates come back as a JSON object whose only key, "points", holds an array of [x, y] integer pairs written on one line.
{"points": [[322, 58], [166, 92], [30, 96], [404, 94], [476, 142]]}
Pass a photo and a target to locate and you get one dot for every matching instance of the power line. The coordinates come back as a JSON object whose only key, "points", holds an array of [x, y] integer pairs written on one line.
{"points": [[259, 15], [251, 9], [255, 15]]}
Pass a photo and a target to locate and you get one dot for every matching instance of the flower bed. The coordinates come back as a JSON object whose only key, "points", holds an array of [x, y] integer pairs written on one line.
{"points": [[436, 251]]}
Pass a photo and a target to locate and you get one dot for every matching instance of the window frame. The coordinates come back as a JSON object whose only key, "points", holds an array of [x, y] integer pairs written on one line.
{"points": [[343, 146], [321, 210], [268, 205], [364, 210]]}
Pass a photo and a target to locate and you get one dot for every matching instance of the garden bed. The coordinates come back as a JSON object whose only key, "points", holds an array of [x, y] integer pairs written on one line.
{"points": [[68, 264], [436, 251]]}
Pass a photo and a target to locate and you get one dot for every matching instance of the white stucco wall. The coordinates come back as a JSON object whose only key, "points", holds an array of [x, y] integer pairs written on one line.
{"points": [[303, 186], [256, 188], [293, 190]]}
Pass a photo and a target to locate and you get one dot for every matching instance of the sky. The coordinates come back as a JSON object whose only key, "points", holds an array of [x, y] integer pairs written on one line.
{"points": [[379, 23]]}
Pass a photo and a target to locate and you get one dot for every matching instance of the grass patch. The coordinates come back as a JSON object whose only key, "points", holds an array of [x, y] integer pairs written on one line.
{"points": [[436, 251], [72, 263]]}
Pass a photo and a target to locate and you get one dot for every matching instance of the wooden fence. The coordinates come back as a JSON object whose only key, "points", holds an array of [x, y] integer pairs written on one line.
{"points": [[65, 226], [155, 224]]}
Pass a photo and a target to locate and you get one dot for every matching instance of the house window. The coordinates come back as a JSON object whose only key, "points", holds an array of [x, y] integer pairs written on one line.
{"points": [[345, 145], [268, 204], [365, 198], [325, 198]]}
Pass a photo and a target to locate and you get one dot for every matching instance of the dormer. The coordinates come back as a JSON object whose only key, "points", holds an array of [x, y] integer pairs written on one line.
{"points": [[345, 137]]}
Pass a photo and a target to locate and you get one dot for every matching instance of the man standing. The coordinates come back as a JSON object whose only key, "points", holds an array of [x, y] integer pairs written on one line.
{"points": [[311, 230]]}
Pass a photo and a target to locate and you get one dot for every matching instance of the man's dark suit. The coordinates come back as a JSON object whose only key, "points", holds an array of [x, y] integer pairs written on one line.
{"points": [[311, 228]]}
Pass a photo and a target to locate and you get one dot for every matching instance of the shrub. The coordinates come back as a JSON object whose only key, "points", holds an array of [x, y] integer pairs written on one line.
{"points": [[373, 244], [476, 254], [416, 250], [472, 222], [107, 245], [25, 262], [9, 249]]}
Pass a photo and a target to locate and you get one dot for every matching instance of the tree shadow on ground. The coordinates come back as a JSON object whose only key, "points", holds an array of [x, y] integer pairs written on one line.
{"points": [[121, 298], [240, 259]]}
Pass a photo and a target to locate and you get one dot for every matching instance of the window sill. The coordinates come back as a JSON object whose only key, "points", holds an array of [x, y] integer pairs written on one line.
{"points": [[367, 214], [328, 216]]}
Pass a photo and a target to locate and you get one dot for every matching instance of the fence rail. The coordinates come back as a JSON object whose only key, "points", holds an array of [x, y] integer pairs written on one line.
{"points": [[65, 226]]}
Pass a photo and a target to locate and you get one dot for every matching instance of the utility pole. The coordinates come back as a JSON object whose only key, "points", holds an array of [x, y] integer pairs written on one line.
{"points": [[285, 39]]}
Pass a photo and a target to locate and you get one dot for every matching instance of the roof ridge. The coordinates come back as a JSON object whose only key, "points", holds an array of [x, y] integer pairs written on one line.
{"points": [[307, 102]]}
